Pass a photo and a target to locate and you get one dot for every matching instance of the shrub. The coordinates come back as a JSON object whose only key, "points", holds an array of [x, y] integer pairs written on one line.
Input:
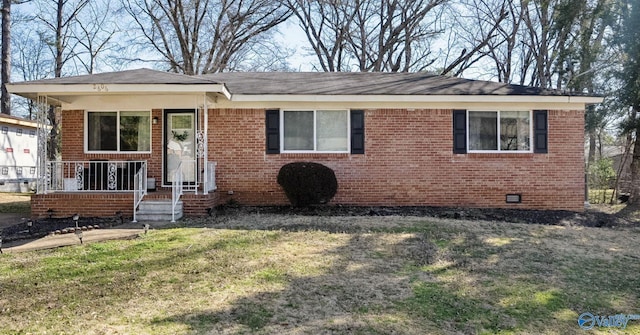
{"points": [[307, 183]]}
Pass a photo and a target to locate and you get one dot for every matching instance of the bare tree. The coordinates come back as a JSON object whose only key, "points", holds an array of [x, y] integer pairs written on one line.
{"points": [[94, 35], [629, 38], [5, 54], [388, 35], [203, 36], [59, 17], [5, 99], [477, 27], [31, 61]]}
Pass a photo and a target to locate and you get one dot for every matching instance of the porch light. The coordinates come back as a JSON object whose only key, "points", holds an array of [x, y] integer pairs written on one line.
{"points": [[155, 120]]}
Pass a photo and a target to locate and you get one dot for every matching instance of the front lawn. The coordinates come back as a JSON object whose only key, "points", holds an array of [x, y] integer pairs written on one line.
{"points": [[15, 202], [278, 274]]}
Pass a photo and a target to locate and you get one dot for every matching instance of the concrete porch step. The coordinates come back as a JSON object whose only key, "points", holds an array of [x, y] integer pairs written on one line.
{"points": [[158, 210]]}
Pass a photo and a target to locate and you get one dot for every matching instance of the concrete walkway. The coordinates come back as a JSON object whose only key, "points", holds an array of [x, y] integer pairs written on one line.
{"points": [[56, 241]]}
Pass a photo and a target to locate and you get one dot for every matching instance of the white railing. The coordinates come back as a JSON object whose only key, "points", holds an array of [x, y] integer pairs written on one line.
{"points": [[211, 176], [139, 188], [176, 190], [91, 176]]}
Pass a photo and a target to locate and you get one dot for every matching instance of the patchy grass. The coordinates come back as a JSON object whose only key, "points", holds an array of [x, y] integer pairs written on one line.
{"points": [[366, 275], [15, 202]]}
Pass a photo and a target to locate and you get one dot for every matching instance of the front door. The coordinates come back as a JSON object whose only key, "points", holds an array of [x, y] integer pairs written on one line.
{"points": [[180, 145]]}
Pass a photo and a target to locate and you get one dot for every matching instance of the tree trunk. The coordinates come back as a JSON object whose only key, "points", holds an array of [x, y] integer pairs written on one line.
{"points": [[635, 164], [591, 157], [5, 98]]}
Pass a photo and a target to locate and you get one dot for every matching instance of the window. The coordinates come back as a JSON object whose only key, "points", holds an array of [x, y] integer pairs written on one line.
{"points": [[5, 130], [315, 130], [5, 171], [499, 131], [18, 132], [19, 171], [32, 170], [32, 133], [119, 131]]}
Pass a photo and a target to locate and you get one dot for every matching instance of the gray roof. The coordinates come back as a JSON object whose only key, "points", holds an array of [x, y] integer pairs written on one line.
{"points": [[139, 76], [365, 83], [312, 83]]}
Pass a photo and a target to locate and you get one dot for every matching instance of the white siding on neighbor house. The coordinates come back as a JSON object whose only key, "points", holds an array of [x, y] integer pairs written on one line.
{"points": [[18, 151]]}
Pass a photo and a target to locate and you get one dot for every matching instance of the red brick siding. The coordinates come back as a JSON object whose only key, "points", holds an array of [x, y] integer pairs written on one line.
{"points": [[73, 143], [85, 204], [408, 161], [107, 204]]}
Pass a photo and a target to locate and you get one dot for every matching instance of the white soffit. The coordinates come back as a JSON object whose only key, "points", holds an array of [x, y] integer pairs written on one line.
{"points": [[107, 89]]}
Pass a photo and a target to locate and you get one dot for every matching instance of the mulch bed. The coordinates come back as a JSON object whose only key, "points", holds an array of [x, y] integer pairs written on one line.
{"points": [[589, 218], [43, 227]]}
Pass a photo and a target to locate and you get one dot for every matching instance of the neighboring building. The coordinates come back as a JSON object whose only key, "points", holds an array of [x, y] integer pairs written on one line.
{"points": [[18, 153], [393, 139]]}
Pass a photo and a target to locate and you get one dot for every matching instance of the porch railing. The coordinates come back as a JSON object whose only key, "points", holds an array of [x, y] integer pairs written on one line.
{"points": [[176, 190], [92, 176], [139, 188]]}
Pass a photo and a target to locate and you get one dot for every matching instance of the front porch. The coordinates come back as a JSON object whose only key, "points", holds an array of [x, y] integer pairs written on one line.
{"points": [[114, 204], [104, 188]]}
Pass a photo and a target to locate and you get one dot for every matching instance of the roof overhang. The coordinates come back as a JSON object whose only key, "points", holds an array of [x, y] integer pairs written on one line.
{"points": [[57, 92], [418, 98]]}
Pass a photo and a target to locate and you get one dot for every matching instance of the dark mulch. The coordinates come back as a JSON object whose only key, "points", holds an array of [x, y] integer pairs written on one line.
{"points": [[589, 218], [43, 227]]}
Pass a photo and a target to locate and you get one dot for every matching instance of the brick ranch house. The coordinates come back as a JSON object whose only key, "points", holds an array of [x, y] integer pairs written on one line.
{"points": [[393, 139]]}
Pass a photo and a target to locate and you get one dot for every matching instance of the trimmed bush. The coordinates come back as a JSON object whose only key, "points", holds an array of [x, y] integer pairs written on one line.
{"points": [[307, 183]]}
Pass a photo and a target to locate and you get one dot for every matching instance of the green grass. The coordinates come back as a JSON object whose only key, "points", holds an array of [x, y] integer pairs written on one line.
{"points": [[15, 203], [390, 275]]}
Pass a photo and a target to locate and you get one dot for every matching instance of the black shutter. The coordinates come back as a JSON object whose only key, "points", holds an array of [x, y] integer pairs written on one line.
{"points": [[540, 132], [459, 131], [357, 132], [272, 122]]}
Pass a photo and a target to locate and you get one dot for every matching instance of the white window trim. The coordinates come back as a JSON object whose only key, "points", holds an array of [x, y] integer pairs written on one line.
{"points": [[116, 152], [531, 135], [315, 144]]}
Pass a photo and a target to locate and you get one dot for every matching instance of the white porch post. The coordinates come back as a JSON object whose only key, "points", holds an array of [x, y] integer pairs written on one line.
{"points": [[205, 145], [43, 137]]}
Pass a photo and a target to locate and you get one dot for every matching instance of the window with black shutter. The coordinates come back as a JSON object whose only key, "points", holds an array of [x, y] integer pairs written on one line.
{"points": [[357, 132], [459, 131], [272, 124], [540, 131]]}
